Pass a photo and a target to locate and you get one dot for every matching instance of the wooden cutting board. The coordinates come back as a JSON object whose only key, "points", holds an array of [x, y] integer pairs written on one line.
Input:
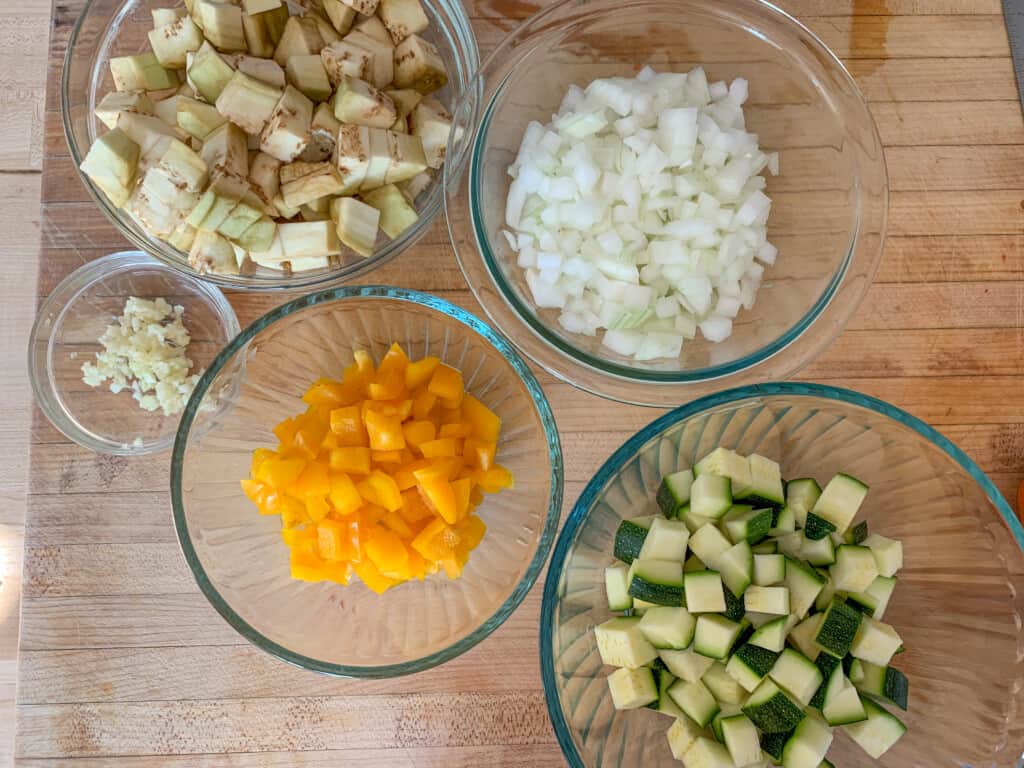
{"points": [[123, 663]]}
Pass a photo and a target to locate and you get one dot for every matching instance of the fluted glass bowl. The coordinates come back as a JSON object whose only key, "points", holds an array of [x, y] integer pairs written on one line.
{"points": [[108, 28], [829, 199], [237, 555], [957, 606]]}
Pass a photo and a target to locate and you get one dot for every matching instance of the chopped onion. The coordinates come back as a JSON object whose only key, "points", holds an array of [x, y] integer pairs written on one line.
{"points": [[640, 210]]}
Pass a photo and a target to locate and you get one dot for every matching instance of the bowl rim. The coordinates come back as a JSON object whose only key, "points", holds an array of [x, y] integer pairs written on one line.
{"points": [[461, 38], [417, 299], [55, 307], [628, 449], [604, 377]]}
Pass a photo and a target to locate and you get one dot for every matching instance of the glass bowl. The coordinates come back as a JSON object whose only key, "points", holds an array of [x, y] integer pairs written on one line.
{"points": [[109, 28], [829, 200], [66, 332], [958, 604], [237, 555]]}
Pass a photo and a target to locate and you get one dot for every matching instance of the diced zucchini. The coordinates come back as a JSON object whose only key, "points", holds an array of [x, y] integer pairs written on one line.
{"points": [[820, 552], [724, 711], [616, 584], [875, 641], [715, 636], [695, 700], [769, 569], [632, 688], [710, 496], [726, 463], [840, 501], [769, 547], [790, 544], [877, 596], [854, 570], [808, 745], [666, 540], [772, 745], [886, 682], [704, 593], [803, 634], [773, 710], [640, 607], [826, 664], [629, 538], [743, 523], [657, 581], [817, 528], [842, 704], [858, 533], [765, 489], [621, 643], [784, 522], [741, 740], [665, 705], [804, 585], [692, 521], [888, 554], [749, 665], [878, 733], [801, 496], [674, 492], [693, 563], [772, 636], [687, 665], [838, 628], [797, 674], [723, 687], [708, 543], [736, 565], [706, 753], [767, 600], [666, 627], [824, 597], [681, 736]]}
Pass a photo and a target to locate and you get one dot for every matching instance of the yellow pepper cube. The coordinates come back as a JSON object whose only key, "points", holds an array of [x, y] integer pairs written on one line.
{"points": [[387, 457], [312, 482], [457, 429], [443, 447], [486, 424], [258, 457], [385, 431], [495, 479], [344, 496], [306, 566], [423, 404], [317, 508], [446, 384], [352, 460], [372, 577], [419, 372], [479, 453], [326, 393], [337, 539], [462, 488], [280, 473], [417, 432], [347, 426], [380, 488]]}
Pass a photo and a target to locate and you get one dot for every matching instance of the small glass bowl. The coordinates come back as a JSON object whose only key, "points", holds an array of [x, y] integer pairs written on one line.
{"points": [[66, 335], [829, 199], [236, 554], [957, 606], [108, 28]]}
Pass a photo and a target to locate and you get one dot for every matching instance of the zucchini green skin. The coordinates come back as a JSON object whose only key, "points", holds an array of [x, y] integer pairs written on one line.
{"points": [[773, 743], [817, 528], [735, 608], [641, 589], [776, 713], [838, 628], [759, 660], [825, 662], [629, 540]]}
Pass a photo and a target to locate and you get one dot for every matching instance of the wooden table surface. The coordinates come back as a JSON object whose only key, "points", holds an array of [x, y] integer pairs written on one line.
{"points": [[123, 663]]}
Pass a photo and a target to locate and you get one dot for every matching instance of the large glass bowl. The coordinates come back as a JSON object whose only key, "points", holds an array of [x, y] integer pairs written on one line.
{"points": [[957, 606], [237, 555], [109, 28], [829, 199]]}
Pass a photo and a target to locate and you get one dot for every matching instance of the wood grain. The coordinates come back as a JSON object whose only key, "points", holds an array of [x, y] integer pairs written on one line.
{"points": [[125, 664]]}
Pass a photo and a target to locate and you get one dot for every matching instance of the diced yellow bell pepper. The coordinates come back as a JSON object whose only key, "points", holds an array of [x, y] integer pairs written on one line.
{"points": [[417, 432], [326, 393], [347, 426], [462, 488], [471, 531], [258, 457], [254, 490], [386, 457], [312, 482], [338, 540], [280, 473], [285, 432], [303, 538], [317, 508], [486, 424], [495, 479], [446, 383], [373, 578], [461, 430], [306, 566], [380, 488], [423, 404], [479, 453], [404, 478], [339, 572], [309, 435], [435, 449], [395, 522], [419, 372], [385, 431], [344, 496], [293, 512], [414, 510], [352, 460], [438, 495], [436, 541]]}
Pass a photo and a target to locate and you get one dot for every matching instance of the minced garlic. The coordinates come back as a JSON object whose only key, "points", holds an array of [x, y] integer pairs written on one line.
{"points": [[145, 351]]}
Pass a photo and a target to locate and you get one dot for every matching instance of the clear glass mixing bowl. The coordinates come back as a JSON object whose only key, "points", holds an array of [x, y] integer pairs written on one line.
{"points": [[237, 555], [957, 605], [829, 200], [109, 28]]}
